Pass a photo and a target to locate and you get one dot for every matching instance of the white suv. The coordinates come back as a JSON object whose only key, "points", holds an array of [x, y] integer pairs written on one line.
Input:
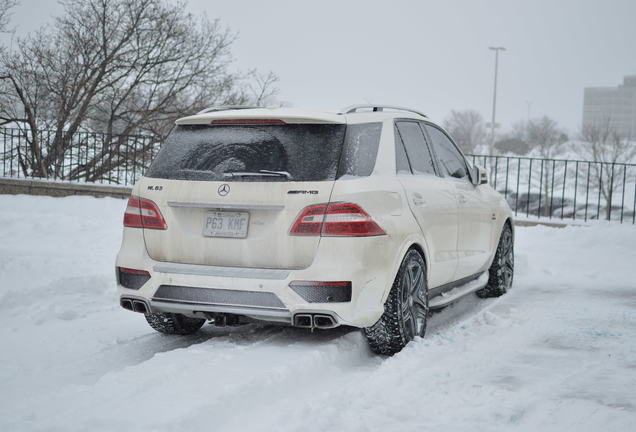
{"points": [[368, 218]]}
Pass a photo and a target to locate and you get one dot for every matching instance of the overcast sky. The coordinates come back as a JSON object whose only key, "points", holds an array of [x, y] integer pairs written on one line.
{"points": [[431, 55]]}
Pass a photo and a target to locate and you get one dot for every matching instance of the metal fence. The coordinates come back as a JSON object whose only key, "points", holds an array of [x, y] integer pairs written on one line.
{"points": [[83, 157], [563, 188], [534, 187]]}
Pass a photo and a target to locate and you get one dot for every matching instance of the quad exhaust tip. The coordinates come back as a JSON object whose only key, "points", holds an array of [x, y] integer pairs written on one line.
{"points": [[134, 305], [303, 320], [319, 321], [139, 306], [324, 321], [126, 304]]}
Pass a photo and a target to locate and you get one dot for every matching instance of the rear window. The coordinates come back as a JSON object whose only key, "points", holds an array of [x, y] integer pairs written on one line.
{"points": [[290, 152]]}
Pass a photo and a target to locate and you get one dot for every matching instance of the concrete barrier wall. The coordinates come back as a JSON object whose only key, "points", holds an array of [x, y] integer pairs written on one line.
{"points": [[12, 186]]}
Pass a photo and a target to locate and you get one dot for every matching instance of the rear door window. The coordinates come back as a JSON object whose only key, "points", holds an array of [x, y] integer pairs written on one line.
{"points": [[452, 162], [289, 152], [417, 150]]}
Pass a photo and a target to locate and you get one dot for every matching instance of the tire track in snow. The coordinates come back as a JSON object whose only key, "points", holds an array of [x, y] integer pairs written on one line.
{"points": [[213, 377]]}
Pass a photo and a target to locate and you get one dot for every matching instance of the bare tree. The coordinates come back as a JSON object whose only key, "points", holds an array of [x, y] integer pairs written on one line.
{"points": [[5, 13], [262, 87], [545, 137], [119, 67], [467, 129], [603, 144], [515, 140]]}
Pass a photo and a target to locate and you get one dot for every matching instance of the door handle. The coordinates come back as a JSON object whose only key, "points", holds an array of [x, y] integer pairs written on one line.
{"points": [[462, 199]]}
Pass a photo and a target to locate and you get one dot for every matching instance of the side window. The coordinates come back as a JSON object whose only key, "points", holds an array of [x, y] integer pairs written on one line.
{"points": [[401, 161], [360, 149], [451, 160], [416, 148]]}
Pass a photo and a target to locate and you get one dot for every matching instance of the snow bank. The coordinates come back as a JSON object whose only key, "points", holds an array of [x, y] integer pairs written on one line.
{"points": [[556, 353]]}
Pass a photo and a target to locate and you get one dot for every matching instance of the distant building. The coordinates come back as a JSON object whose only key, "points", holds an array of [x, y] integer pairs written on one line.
{"points": [[616, 105]]}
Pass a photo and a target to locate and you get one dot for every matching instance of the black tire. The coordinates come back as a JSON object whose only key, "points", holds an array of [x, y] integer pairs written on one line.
{"points": [[172, 323], [502, 270], [405, 310]]}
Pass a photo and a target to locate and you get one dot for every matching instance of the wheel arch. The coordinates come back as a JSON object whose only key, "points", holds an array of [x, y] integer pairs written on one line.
{"points": [[418, 247], [497, 235], [511, 224], [417, 243]]}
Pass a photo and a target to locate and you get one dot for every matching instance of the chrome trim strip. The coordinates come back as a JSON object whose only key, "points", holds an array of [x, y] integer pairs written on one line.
{"points": [[458, 292], [198, 303], [272, 314], [236, 272], [226, 206]]}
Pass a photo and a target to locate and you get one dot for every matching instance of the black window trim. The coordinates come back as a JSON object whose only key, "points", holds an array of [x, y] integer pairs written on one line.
{"points": [[401, 143], [468, 169], [436, 166]]}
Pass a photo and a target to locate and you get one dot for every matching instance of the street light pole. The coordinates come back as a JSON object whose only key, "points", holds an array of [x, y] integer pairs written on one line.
{"points": [[494, 97]]}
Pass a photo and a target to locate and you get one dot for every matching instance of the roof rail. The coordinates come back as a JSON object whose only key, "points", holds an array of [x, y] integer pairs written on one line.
{"points": [[226, 108], [355, 108]]}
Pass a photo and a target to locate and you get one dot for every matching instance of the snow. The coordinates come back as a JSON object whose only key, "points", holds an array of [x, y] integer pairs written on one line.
{"points": [[556, 353]]}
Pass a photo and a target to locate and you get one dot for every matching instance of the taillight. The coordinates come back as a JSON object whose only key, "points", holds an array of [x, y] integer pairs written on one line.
{"points": [[247, 122], [143, 213], [335, 219]]}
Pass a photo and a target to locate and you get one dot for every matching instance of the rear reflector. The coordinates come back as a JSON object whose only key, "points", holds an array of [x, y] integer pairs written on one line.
{"points": [[322, 292], [335, 219], [247, 122], [132, 278], [133, 271], [143, 213]]}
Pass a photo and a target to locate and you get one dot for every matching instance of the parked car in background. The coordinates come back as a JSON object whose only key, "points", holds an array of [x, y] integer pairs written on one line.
{"points": [[368, 218]]}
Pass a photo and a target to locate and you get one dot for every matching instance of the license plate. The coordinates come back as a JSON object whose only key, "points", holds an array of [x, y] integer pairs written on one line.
{"points": [[226, 224]]}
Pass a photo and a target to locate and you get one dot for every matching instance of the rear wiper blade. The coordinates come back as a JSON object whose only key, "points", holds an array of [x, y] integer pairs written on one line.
{"points": [[259, 173], [278, 173]]}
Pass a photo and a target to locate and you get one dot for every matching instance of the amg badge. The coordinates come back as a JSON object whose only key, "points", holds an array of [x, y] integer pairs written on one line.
{"points": [[302, 192]]}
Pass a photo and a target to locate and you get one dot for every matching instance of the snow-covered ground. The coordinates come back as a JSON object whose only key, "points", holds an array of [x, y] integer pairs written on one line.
{"points": [[557, 353]]}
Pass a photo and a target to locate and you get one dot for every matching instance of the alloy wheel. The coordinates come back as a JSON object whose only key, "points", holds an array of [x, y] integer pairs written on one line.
{"points": [[507, 258], [414, 299]]}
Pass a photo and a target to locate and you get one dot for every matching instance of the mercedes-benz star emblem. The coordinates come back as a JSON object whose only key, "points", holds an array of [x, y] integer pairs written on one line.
{"points": [[224, 189]]}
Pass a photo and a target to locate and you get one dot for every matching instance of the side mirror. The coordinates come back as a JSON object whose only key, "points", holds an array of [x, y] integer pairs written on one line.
{"points": [[480, 176]]}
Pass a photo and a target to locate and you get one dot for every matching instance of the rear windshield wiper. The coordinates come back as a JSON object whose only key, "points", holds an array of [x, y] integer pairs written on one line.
{"points": [[259, 173]]}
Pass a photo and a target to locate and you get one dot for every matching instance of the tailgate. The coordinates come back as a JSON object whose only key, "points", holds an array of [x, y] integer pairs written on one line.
{"points": [[270, 209], [230, 193]]}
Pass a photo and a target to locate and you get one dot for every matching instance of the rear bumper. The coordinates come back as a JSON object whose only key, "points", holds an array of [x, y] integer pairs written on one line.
{"points": [[265, 294]]}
